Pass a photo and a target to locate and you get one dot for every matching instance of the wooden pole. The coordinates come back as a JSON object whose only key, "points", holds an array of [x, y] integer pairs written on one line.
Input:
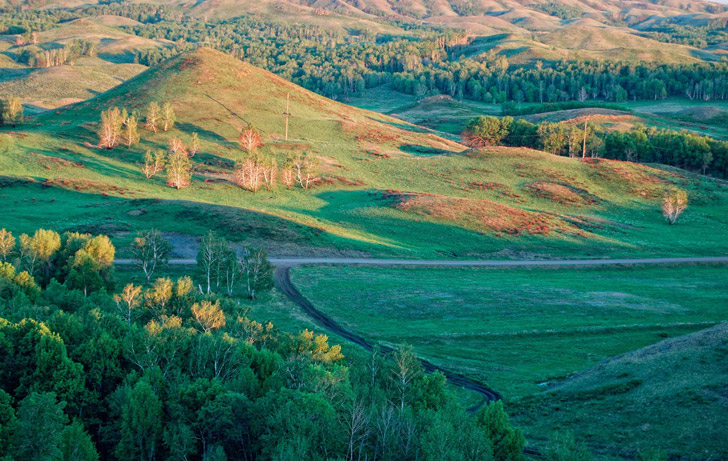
{"points": [[287, 113]]}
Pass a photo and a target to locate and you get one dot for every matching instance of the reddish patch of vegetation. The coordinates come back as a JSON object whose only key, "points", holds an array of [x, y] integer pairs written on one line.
{"points": [[85, 185], [49, 162], [561, 193], [482, 215], [625, 174]]}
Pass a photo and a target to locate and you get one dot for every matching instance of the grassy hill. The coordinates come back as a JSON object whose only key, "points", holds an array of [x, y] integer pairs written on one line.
{"points": [[670, 396], [387, 187], [85, 77]]}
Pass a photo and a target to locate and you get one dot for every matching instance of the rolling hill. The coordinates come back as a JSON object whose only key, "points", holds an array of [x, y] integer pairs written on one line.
{"points": [[630, 397], [387, 187], [51, 87]]}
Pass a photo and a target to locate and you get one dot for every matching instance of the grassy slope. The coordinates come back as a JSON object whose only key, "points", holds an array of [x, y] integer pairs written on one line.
{"points": [[516, 328], [670, 396], [215, 96], [86, 77]]}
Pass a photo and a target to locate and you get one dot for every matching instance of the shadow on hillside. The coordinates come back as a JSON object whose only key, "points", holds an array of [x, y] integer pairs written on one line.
{"points": [[100, 210], [203, 133]]}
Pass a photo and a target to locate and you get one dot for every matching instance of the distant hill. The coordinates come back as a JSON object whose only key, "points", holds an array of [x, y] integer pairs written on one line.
{"points": [[682, 380]]}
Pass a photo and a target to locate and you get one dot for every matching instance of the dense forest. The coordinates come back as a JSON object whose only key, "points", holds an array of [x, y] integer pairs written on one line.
{"points": [[424, 61], [94, 367]]}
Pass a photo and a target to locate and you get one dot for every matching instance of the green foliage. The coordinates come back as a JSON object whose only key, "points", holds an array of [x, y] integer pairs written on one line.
{"points": [[508, 442], [39, 428], [166, 372], [564, 447]]}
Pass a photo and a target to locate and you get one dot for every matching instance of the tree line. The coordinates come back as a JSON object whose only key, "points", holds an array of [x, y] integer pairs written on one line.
{"points": [[682, 149], [162, 371]]}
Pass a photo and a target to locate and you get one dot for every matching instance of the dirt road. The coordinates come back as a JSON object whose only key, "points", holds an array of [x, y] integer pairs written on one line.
{"points": [[472, 263]]}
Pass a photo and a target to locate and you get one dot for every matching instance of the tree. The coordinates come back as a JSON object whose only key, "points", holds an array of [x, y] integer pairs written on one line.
{"points": [[152, 117], [7, 244], [141, 423], [39, 431], [304, 166], [257, 270], [407, 368], [84, 274], [194, 145], [507, 442], [12, 112], [208, 316], [128, 301], [168, 116], [130, 131], [77, 445], [210, 258], [249, 139], [176, 146], [150, 250], [674, 202], [178, 170], [39, 249], [153, 164], [288, 176], [159, 295], [486, 131], [110, 129]]}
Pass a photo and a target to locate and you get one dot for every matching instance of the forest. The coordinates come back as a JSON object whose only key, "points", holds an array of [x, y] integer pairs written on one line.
{"points": [[96, 367], [427, 60]]}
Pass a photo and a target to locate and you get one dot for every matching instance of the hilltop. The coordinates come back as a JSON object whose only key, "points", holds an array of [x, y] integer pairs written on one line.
{"points": [[631, 396], [386, 186]]}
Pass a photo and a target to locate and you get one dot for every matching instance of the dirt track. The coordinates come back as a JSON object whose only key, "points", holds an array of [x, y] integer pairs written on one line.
{"points": [[283, 282], [472, 263]]}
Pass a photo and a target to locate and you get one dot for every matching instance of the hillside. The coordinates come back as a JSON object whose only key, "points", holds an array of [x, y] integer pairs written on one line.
{"points": [[386, 187], [84, 77], [631, 396]]}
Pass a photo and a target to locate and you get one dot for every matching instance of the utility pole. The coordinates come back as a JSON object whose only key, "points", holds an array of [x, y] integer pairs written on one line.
{"points": [[583, 151], [287, 113]]}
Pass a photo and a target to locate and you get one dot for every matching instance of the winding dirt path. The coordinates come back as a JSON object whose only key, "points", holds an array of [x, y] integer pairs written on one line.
{"points": [[284, 284]]}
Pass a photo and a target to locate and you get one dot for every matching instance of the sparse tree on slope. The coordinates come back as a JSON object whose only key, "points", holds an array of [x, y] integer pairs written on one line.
{"points": [[153, 116], [674, 202], [249, 139], [131, 132], [178, 170], [194, 145], [153, 164], [110, 129], [168, 116]]}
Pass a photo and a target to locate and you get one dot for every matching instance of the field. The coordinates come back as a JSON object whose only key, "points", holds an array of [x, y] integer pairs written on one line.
{"points": [[519, 329]]}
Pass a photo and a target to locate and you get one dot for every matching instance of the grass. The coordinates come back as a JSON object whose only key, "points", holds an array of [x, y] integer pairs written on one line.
{"points": [[668, 397], [519, 328]]}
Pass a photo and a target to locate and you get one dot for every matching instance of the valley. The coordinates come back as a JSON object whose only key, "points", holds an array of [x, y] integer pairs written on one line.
{"points": [[363, 230]]}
